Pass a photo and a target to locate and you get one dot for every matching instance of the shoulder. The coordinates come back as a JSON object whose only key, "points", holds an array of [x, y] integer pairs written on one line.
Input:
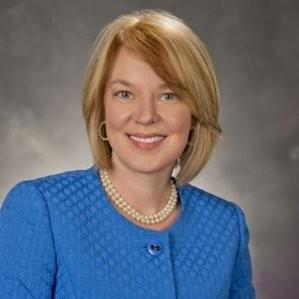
{"points": [[60, 180], [198, 195], [213, 206], [35, 191]]}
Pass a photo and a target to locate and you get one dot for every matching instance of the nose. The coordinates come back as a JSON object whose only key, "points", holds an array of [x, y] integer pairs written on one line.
{"points": [[146, 110]]}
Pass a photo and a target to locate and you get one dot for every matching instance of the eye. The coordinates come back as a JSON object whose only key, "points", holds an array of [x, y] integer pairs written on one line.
{"points": [[124, 94], [169, 95]]}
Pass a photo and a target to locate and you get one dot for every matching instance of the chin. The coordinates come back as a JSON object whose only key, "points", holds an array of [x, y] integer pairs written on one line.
{"points": [[150, 167]]}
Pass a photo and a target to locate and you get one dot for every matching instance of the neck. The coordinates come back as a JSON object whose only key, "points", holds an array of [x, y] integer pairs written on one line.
{"points": [[147, 192]]}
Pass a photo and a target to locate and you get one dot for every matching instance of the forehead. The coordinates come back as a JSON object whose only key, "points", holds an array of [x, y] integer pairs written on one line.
{"points": [[131, 84], [131, 70]]}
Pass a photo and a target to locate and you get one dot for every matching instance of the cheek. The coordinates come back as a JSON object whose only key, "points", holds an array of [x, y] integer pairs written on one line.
{"points": [[115, 117], [180, 121]]}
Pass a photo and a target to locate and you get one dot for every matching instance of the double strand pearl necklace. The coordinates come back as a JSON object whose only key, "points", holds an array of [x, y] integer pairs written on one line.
{"points": [[118, 200]]}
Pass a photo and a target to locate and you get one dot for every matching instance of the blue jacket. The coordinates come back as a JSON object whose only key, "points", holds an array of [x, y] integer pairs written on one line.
{"points": [[61, 237]]}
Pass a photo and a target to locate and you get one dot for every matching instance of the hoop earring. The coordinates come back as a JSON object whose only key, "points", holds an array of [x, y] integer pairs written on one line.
{"points": [[99, 131]]}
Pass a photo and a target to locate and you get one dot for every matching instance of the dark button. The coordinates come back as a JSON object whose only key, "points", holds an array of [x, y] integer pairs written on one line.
{"points": [[155, 248]]}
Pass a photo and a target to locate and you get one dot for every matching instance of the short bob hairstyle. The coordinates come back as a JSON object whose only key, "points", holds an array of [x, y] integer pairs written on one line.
{"points": [[180, 58]]}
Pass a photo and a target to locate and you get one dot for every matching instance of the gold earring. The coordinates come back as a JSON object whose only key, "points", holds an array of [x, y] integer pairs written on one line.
{"points": [[99, 131]]}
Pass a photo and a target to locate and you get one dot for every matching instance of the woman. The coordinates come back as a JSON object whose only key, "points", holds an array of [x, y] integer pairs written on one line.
{"points": [[127, 227]]}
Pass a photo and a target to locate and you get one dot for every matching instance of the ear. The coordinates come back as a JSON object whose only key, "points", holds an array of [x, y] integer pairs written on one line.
{"points": [[193, 123]]}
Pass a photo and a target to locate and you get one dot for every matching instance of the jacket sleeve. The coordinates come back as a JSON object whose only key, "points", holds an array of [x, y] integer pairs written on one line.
{"points": [[241, 282], [27, 255]]}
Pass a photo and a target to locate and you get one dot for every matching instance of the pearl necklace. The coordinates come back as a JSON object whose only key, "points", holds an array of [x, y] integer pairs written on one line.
{"points": [[128, 209]]}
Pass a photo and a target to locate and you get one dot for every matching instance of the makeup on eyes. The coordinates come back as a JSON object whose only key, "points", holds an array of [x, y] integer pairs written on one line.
{"points": [[170, 93]]}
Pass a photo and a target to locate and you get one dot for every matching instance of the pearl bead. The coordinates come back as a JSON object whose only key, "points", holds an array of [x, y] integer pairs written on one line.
{"points": [[119, 201]]}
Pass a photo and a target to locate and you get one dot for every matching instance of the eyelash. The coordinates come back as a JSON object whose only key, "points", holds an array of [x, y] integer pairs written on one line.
{"points": [[126, 91]]}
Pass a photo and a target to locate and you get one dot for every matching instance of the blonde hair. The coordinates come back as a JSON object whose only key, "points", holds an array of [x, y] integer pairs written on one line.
{"points": [[180, 58]]}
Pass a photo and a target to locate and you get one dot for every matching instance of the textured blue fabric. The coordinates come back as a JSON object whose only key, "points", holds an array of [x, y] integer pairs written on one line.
{"points": [[61, 237]]}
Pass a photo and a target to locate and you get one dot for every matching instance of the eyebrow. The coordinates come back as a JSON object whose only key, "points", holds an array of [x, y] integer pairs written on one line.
{"points": [[127, 83]]}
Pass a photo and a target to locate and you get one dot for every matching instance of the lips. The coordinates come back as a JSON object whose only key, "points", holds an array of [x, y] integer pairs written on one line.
{"points": [[148, 139], [142, 135], [141, 138]]}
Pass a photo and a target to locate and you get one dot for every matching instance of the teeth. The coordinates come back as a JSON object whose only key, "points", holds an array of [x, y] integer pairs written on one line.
{"points": [[147, 140]]}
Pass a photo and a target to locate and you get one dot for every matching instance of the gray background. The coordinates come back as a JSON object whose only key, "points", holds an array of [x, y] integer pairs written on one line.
{"points": [[254, 44]]}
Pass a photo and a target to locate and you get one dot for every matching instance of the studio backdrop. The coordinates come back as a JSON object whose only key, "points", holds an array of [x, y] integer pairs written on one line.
{"points": [[254, 44]]}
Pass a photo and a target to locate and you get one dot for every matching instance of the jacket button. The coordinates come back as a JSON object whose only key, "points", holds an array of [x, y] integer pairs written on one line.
{"points": [[155, 249]]}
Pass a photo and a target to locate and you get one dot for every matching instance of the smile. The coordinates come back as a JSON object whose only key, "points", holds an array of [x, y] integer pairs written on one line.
{"points": [[146, 143], [148, 139]]}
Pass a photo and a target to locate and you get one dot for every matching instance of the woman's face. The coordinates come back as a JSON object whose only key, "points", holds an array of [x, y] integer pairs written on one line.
{"points": [[146, 124]]}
